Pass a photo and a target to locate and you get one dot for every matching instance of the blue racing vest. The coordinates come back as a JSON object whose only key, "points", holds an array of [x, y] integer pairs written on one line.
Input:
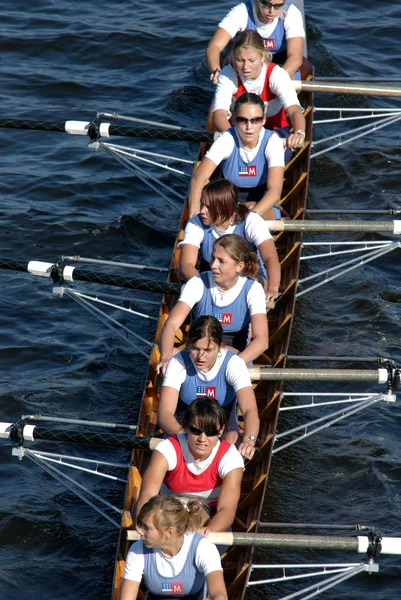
{"points": [[246, 175], [234, 317], [194, 387], [276, 42], [189, 583]]}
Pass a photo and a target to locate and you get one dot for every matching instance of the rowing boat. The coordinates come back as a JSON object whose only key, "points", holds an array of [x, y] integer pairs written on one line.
{"points": [[268, 394]]}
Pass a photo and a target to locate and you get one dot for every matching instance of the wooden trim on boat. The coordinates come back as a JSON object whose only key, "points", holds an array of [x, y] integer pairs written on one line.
{"points": [[268, 394]]}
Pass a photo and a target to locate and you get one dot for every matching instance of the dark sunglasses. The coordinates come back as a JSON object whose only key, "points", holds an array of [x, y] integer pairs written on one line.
{"points": [[253, 121], [270, 5], [197, 431]]}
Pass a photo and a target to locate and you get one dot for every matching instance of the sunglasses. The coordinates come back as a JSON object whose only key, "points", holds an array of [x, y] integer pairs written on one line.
{"points": [[270, 5], [197, 431], [253, 121]]}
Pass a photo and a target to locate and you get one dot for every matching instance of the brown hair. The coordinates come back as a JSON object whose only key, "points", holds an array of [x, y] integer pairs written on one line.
{"points": [[207, 413], [250, 39], [222, 197], [248, 98], [205, 327], [237, 249], [169, 511]]}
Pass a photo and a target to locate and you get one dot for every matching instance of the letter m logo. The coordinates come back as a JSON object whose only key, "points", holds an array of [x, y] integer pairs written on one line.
{"points": [[226, 318], [269, 44], [210, 392], [252, 171]]}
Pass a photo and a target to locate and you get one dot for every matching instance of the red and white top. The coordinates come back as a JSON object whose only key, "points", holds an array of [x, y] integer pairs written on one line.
{"points": [[189, 478]]}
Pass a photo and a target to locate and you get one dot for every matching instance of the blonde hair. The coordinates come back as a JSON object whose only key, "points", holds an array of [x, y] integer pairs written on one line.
{"points": [[237, 249], [169, 511], [249, 39]]}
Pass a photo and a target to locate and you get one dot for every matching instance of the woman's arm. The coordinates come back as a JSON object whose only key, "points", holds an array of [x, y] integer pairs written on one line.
{"points": [[199, 178], [295, 49], [167, 407], [274, 187], [129, 589], [220, 119], [216, 587], [173, 323], [247, 404], [218, 42], [227, 502], [152, 480], [188, 260], [268, 252], [260, 339]]}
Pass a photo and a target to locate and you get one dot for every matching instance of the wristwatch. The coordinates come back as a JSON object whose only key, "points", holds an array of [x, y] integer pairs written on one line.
{"points": [[301, 131], [250, 437]]}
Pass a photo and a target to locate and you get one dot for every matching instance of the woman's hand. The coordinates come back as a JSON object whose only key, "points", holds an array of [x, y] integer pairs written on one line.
{"points": [[250, 205], [214, 76], [247, 448], [271, 294], [203, 530], [162, 366], [296, 139]]}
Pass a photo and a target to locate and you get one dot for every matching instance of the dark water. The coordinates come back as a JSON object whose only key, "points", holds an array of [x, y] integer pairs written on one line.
{"points": [[66, 61]]}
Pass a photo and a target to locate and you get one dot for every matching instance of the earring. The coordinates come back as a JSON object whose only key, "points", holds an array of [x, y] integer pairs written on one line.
{"points": [[219, 354]]}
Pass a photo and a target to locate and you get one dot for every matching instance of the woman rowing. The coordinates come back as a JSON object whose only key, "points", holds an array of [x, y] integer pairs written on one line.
{"points": [[207, 369], [251, 156], [198, 464], [220, 215], [279, 23], [230, 293], [251, 70], [172, 558]]}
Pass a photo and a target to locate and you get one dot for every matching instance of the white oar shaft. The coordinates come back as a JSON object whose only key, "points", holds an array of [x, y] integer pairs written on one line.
{"points": [[359, 375], [334, 226], [347, 88], [359, 544]]}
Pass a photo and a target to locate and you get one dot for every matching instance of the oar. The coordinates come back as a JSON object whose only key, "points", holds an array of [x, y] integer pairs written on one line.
{"points": [[96, 129], [22, 432], [328, 87], [360, 375], [61, 273], [361, 544], [336, 226]]}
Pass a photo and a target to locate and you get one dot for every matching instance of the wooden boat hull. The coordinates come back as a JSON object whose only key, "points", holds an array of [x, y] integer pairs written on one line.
{"points": [[268, 394]]}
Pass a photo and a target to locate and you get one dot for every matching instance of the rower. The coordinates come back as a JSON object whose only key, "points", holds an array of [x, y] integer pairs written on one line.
{"points": [[279, 23], [197, 463], [251, 156], [207, 369], [220, 215], [230, 293], [251, 70], [172, 558]]}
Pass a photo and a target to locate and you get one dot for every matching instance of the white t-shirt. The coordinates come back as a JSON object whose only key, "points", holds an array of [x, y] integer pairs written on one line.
{"points": [[222, 148], [237, 20], [192, 293], [236, 374], [207, 559], [279, 83], [256, 231], [230, 461]]}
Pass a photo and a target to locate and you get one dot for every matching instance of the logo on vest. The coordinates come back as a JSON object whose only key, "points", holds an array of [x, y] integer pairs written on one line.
{"points": [[247, 171], [206, 390], [172, 588], [224, 318], [269, 44]]}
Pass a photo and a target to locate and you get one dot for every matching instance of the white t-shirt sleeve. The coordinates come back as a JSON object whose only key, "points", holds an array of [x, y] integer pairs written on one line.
{"points": [[281, 85], [230, 461], [221, 148], [192, 291], [135, 563], [274, 152], [256, 230], [293, 23], [167, 449], [256, 299], [207, 557], [193, 233], [227, 85], [175, 373], [236, 20], [237, 374]]}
